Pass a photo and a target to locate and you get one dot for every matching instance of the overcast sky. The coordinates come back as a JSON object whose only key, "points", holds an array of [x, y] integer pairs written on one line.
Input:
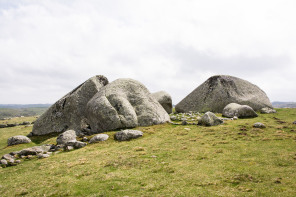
{"points": [[48, 47]]}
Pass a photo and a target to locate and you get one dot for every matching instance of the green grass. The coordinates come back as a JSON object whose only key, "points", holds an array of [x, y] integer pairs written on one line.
{"points": [[233, 159]]}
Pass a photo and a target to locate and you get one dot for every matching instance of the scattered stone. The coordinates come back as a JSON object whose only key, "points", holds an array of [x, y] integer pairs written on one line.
{"points": [[174, 118], [165, 100], [3, 162], [184, 122], [259, 125], [128, 135], [267, 110], [19, 139], [31, 151], [220, 90], [17, 161], [10, 162], [294, 122], [68, 135], [235, 117], [25, 123], [240, 111], [8, 157], [210, 119], [153, 156], [42, 156], [99, 138], [188, 129], [12, 125], [68, 148], [79, 144]]}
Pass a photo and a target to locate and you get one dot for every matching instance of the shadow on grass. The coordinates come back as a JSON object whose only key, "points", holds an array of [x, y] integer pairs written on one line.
{"points": [[41, 139]]}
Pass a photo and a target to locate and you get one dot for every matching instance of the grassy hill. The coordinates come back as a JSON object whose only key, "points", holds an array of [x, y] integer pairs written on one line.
{"points": [[233, 159], [12, 110]]}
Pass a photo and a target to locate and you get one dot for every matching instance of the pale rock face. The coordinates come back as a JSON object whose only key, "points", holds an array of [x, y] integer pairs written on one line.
{"points": [[70, 111], [210, 119], [124, 103], [240, 111], [218, 91], [165, 100]]}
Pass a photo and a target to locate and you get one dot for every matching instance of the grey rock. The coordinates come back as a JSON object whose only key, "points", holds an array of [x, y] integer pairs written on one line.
{"points": [[79, 144], [68, 148], [240, 111], [12, 125], [99, 138], [235, 117], [70, 111], [184, 122], [165, 100], [210, 119], [17, 161], [259, 125], [294, 122], [25, 123], [267, 110], [42, 156], [8, 157], [10, 162], [174, 118], [84, 139], [3, 162], [31, 151], [124, 103], [66, 136], [128, 135], [19, 139], [218, 91]]}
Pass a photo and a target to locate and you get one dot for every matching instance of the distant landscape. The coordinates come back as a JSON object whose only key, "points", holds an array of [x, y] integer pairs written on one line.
{"points": [[17, 110]]}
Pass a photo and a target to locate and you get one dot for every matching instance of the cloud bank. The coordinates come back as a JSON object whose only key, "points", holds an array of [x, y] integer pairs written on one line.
{"points": [[49, 47]]}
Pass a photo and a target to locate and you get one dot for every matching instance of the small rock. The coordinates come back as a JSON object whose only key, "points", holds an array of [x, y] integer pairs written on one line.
{"points": [[79, 144], [294, 122], [17, 161], [8, 157], [3, 125], [153, 156], [41, 156], [259, 125], [68, 148], [235, 117], [210, 119], [184, 122], [11, 162], [3, 162], [19, 139], [128, 135], [267, 110], [99, 138], [31, 151]]}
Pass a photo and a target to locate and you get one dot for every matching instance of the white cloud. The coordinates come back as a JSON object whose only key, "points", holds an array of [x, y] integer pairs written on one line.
{"points": [[49, 47]]}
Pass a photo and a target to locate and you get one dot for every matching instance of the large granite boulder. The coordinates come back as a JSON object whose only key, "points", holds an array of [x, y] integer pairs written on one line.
{"points": [[240, 111], [124, 103], [70, 111], [165, 100], [218, 91]]}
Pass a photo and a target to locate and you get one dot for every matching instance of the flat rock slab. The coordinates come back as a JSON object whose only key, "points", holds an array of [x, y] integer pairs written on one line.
{"points": [[128, 135]]}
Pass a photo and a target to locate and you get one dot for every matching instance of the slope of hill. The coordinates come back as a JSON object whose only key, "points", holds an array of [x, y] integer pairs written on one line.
{"points": [[16, 110], [232, 159]]}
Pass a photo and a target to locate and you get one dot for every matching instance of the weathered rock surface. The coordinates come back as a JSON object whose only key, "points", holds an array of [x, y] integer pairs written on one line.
{"points": [[210, 119], [99, 138], [128, 135], [19, 139], [218, 91], [259, 125], [66, 136], [240, 111], [70, 111], [124, 103], [165, 100], [267, 110], [31, 151]]}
